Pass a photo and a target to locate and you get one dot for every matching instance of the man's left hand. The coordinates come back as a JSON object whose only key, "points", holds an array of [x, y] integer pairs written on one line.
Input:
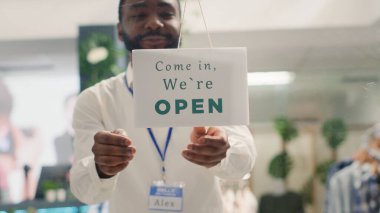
{"points": [[207, 147]]}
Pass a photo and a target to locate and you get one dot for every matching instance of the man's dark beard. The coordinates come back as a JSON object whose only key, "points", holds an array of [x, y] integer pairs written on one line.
{"points": [[132, 44]]}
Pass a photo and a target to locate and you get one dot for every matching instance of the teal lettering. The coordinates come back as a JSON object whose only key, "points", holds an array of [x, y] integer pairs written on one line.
{"points": [[160, 66], [204, 65], [178, 66], [207, 66], [182, 85], [170, 83], [199, 82], [168, 67], [209, 84], [197, 105], [180, 104], [157, 68], [164, 103], [212, 105]]}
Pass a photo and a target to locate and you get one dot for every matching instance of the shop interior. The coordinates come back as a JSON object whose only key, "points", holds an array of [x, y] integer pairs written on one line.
{"points": [[313, 70]]}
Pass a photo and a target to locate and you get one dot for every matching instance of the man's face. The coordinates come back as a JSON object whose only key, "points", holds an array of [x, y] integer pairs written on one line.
{"points": [[149, 24]]}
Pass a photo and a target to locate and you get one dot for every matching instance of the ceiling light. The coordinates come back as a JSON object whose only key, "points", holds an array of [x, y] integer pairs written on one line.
{"points": [[270, 78]]}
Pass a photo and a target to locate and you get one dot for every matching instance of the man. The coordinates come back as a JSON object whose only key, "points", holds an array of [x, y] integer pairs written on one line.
{"points": [[121, 166]]}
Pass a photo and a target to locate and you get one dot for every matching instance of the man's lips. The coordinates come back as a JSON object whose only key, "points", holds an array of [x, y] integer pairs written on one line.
{"points": [[153, 40]]}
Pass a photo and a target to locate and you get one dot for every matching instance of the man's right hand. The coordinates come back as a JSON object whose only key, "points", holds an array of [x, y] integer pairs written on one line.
{"points": [[112, 151]]}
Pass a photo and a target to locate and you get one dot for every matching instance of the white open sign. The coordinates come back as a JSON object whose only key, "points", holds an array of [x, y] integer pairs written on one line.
{"points": [[190, 87]]}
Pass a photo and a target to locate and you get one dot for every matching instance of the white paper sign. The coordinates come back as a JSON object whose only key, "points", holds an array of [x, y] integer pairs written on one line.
{"points": [[190, 87]]}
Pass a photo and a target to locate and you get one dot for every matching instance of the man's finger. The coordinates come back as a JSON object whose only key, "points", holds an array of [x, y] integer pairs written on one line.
{"points": [[208, 165], [213, 131], [119, 131], [203, 149], [109, 138], [103, 149], [112, 170], [202, 160], [112, 161], [206, 159], [215, 141]]}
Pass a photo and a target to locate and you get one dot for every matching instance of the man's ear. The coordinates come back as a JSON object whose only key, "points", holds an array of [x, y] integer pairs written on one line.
{"points": [[120, 31]]}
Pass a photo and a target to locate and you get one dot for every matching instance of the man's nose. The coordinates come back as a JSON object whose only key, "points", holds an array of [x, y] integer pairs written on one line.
{"points": [[154, 23]]}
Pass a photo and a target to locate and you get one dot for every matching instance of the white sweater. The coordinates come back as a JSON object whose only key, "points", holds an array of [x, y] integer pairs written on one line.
{"points": [[108, 106]]}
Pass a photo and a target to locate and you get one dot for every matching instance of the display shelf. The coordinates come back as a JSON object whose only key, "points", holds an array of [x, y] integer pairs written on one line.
{"points": [[41, 204]]}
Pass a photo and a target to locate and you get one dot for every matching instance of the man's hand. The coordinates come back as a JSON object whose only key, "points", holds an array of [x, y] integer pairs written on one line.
{"points": [[207, 148], [112, 151]]}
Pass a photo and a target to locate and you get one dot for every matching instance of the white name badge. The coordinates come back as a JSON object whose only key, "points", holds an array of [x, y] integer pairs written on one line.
{"points": [[165, 198], [190, 87]]}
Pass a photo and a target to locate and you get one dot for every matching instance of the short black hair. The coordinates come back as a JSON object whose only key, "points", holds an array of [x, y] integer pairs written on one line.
{"points": [[121, 3], [120, 9]]}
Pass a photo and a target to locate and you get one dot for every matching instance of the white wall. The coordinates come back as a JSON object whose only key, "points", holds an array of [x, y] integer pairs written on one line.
{"points": [[47, 19]]}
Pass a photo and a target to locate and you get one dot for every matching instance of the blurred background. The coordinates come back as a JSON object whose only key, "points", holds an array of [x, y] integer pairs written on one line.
{"points": [[314, 71]]}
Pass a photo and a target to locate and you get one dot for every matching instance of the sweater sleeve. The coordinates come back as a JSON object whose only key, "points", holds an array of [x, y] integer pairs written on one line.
{"points": [[241, 155], [85, 183]]}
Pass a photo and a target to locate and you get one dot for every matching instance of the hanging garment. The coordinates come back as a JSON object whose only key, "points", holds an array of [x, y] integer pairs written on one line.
{"points": [[336, 167], [341, 187], [354, 189], [366, 191]]}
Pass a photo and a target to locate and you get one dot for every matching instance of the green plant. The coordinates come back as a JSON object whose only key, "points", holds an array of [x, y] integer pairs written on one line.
{"points": [[335, 132], [307, 191], [286, 129], [97, 59], [322, 170], [280, 165], [50, 185]]}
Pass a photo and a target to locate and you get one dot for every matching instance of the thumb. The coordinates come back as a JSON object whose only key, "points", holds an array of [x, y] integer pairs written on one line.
{"points": [[197, 132], [214, 131], [119, 132]]}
